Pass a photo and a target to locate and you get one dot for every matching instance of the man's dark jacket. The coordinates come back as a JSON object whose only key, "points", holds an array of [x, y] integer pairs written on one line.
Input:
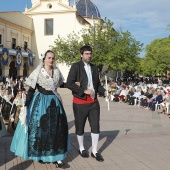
{"points": [[14, 91], [78, 74]]}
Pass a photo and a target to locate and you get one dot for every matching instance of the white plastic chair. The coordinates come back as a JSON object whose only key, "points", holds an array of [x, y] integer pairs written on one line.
{"points": [[111, 97], [135, 101], [167, 107], [157, 106]]}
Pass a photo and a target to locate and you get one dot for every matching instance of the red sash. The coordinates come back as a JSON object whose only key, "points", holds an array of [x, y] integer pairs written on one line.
{"points": [[88, 100]]}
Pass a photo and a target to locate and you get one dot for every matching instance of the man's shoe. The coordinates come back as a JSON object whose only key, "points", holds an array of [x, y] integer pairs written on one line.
{"points": [[84, 154], [98, 157]]}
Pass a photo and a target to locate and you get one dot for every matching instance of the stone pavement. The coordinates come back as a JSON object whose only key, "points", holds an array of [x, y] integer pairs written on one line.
{"points": [[132, 138]]}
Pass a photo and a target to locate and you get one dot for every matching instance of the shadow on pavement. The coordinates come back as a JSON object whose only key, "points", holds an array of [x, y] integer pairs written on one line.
{"points": [[23, 165], [107, 136], [110, 136]]}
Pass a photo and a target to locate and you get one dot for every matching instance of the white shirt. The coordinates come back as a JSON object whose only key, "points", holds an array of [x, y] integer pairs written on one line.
{"points": [[89, 76], [137, 94]]}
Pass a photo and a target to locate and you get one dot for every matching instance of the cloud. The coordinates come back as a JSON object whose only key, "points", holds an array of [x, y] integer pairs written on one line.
{"points": [[136, 10], [146, 20]]}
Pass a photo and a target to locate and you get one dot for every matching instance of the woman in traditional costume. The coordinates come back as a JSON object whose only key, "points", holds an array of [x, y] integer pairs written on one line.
{"points": [[1, 96], [7, 96], [44, 137], [6, 106], [15, 112], [2, 125]]}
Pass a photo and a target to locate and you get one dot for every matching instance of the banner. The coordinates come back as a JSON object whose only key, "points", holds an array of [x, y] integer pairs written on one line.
{"points": [[5, 55], [18, 58], [30, 60]]}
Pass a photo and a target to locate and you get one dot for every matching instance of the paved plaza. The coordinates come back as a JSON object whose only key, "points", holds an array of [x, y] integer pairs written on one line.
{"points": [[132, 138]]}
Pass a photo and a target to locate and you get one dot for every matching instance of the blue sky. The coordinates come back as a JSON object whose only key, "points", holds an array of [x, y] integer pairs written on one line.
{"points": [[146, 20]]}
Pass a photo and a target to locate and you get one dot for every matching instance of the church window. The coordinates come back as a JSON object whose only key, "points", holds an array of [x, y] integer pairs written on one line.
{"points": [[13, 43], [25, 45], [48, 26]]}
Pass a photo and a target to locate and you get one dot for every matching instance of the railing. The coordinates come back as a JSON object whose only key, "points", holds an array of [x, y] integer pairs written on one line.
{"points": [[13, 52]]}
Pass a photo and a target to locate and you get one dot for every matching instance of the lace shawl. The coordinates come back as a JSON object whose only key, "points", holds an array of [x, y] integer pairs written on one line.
{"points": [[32, 79], [7, 98], [37, 77]]}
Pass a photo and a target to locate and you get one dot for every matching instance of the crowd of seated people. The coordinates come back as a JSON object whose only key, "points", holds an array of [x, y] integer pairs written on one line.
{"points": [[149, 96]]}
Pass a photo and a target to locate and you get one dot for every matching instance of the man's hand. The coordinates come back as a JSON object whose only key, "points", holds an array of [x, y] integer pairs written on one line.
{"points": [[77, 83], [107, 95], [90, 92]]}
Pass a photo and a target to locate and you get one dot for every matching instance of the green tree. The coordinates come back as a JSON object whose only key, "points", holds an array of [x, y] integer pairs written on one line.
{"points": [[157, 58], [116, 50]]}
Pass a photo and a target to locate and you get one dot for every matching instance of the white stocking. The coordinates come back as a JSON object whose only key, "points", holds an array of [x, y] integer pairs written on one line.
{"points": [[95, 139], [81, 142]]}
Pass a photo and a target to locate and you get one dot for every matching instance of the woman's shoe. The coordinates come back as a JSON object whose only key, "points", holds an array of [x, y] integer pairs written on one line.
{"points": [[59, 165], [41, 162]]}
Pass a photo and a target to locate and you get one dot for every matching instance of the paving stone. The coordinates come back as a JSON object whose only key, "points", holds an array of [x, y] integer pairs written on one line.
{"points": [[131, 138]]}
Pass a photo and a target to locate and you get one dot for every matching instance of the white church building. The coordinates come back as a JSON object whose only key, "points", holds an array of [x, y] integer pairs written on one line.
{"points": [[25, 36]]}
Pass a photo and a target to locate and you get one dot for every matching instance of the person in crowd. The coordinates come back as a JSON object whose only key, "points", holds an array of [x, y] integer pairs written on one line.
{"points": [[12, 90], [123, 93], [151, 99], [7, 96], [112, 90], [7, 79], [165, 103], [83, 81], [1, 96], [1, 90], [6, 106], [19, 84], [18, 101], [14, 113], [24, 94], [146, 99], [136, 96], [45, 136], [2, 127], [127, 93], [157, 100], [130, 94]]}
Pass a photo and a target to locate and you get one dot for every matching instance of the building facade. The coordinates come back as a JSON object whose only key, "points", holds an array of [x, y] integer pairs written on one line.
{"points": [[28, 35]]}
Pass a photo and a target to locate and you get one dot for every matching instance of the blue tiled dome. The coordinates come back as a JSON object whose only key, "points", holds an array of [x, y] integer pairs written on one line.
{"points": [[87, 9]]}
